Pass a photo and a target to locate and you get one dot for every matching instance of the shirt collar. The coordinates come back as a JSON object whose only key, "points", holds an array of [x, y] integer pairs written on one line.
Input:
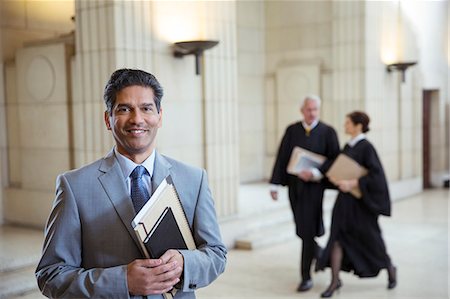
{"points": [[128, 166], [357, 139], [312, 126]]}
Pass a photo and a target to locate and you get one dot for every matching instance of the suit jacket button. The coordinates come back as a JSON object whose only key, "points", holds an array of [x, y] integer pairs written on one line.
{"points": [[192, 286]]}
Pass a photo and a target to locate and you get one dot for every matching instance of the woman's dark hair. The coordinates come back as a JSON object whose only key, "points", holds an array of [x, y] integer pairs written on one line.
{"points": [[359, 117], [123, 78]]}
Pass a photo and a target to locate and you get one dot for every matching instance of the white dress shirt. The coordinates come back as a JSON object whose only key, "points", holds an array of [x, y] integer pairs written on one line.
{"points": [[128, 166], [352, 142]]}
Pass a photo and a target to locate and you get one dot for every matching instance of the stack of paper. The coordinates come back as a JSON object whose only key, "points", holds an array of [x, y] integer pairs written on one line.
{"points": [[302, 159]]}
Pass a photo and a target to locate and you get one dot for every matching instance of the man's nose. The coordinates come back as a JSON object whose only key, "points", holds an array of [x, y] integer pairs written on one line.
{"points": [[137, 117]]}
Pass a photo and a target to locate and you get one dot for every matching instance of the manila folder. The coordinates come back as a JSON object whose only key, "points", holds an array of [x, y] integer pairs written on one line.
{"points": [[345, 168]]}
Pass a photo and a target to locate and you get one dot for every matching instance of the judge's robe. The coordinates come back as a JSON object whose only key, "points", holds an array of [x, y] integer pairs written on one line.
{"points": [[305, 197], [354, 221]]}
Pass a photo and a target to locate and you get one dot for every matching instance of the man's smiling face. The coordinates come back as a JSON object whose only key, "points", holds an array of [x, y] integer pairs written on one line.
{"points": [[134, 122]]}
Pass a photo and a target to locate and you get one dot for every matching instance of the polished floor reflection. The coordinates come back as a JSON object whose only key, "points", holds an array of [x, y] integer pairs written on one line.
{"points": [[416, 237]]}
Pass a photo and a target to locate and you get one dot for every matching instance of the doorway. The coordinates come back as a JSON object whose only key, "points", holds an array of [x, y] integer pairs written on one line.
{"points": [[434, 143]]}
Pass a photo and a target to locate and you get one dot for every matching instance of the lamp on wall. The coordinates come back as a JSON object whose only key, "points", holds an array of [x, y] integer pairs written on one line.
{"points": [[400, 66], [195, 47]]}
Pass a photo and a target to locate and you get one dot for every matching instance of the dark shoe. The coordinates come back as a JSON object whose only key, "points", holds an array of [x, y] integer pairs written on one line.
{"points": [[329, 292], [305, 285], [392, 281]]}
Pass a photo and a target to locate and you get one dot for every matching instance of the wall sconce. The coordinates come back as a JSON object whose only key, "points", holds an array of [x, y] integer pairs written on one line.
{"points": [[195, 47], [400, 66]]}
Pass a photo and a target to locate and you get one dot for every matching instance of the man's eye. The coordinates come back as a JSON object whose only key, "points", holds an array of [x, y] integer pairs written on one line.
{"points": [[123, 109], [147, 109]]}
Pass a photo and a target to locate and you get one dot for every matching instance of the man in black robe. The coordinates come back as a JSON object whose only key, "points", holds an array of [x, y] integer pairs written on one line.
{"points": [[306, 190]]}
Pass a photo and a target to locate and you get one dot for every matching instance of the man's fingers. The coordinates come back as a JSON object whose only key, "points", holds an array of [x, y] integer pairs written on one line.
{"points": [[163, 287], [169, 255], [274, 195], [165, 267], [149, 263]]}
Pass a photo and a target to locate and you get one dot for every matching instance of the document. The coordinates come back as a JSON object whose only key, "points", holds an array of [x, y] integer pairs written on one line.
{"points": [[302, 159], [161, 224], [345, 168]]}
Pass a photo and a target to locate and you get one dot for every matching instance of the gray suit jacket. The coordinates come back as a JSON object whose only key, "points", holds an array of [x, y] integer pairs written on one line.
{"points": [[89, 239]]}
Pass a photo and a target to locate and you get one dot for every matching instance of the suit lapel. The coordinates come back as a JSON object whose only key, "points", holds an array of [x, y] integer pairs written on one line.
{"points": [[115, 187], [160, 170]]}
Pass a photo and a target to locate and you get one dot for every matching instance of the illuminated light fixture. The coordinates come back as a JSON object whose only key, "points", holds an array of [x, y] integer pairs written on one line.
{"points": [[195, 47], [400, 66]]}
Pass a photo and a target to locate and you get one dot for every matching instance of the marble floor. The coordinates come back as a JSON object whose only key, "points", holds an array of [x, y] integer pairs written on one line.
{"points": [[416, 237]]}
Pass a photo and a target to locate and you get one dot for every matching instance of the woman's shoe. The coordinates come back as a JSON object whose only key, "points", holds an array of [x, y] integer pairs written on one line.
{"points": [[329, 292], [392, 280]]}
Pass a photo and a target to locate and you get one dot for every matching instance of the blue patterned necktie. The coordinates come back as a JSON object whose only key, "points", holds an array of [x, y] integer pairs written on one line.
{"points": [[139, 194]]}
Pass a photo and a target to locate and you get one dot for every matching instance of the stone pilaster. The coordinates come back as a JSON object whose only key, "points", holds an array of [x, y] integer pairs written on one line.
{"points": [[347, 59], [109, 35], [220, 99]]}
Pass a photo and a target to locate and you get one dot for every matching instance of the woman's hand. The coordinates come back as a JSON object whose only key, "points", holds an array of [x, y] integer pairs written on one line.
{"points": [[345, 185]]}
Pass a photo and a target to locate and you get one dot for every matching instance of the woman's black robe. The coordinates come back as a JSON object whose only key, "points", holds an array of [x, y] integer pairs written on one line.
{"points": [[355, 221]]}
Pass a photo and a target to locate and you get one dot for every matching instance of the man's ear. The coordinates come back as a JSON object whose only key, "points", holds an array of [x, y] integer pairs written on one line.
{"points": [[107, 122], [160, 117]]}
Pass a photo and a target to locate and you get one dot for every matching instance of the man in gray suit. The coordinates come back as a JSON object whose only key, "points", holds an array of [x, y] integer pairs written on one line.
{"points": [[90, 249]]}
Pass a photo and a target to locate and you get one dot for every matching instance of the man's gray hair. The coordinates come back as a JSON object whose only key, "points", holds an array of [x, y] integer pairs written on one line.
{"points": [[311, 97]]}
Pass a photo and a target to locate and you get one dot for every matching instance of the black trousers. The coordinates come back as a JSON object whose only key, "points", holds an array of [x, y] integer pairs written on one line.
{"points": [[310, 250]]}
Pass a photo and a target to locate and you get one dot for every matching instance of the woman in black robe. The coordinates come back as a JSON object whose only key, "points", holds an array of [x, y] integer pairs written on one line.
{"points": [[355, 242]]}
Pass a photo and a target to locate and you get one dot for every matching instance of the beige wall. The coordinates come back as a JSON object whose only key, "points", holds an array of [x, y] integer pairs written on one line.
{"points": [[32, 159], [351, 42], [422, 27], [261, 44], [28, 20]]}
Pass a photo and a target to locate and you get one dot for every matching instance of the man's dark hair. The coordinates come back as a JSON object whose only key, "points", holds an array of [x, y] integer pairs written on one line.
{"points": [[359, 117], [123, 78]]}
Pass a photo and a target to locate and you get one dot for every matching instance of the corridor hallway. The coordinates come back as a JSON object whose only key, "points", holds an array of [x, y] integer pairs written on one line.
{"points": [[416, 237]]}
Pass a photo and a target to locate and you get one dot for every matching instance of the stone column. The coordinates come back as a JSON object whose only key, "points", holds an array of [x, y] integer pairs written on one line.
{"points": [[347, 60], [220, 92], [114, 34], [109, 35], [3, 145]]}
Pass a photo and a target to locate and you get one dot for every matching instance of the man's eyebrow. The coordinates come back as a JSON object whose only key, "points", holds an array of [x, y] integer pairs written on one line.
{"points": [[148, 104], [123, 105]]}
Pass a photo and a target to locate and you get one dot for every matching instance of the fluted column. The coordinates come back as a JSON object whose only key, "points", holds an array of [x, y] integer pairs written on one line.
{"points": [[3, 144], [220, 92], [109, 35], [347, 58]]}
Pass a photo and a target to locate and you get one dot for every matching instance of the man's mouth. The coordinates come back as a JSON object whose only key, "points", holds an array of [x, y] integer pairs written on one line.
{"points": [[136, 131]]}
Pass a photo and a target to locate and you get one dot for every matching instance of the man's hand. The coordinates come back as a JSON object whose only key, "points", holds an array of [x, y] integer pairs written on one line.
{"points": [[172, 255], [274, 195], [153, 276], [306, 175]]}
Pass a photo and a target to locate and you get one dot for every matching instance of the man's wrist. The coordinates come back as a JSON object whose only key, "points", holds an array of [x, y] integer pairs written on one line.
{"points": [[274, 188], [317, 175]]}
